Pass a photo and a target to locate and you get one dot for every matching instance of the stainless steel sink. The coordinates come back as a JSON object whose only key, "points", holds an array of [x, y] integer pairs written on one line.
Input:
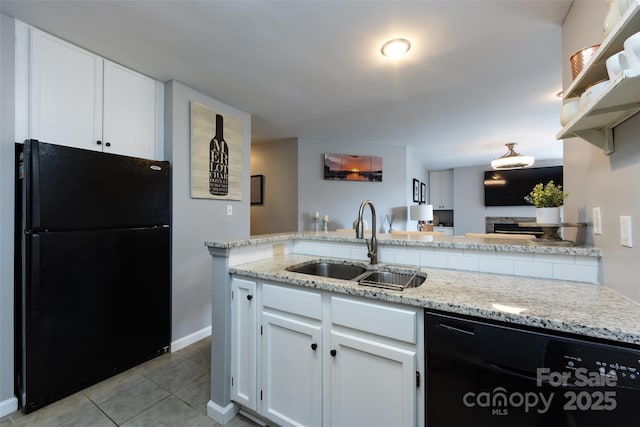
{"points": [[329, 269], [397, 280], [393, 280]]}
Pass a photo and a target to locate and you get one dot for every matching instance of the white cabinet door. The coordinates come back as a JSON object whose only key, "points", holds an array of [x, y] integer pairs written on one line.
{"points": [[441, 189], [65, 102], [372, 383], [446, 193], [129, 112], [291, 370], [243, 343]]}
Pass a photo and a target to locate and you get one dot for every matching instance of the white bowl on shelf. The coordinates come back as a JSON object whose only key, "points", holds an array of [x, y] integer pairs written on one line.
{"points": [[569, 110], [597, 89]]}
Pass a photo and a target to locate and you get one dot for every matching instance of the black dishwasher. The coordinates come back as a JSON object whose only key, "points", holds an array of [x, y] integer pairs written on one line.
{"points": [[490, 373]]}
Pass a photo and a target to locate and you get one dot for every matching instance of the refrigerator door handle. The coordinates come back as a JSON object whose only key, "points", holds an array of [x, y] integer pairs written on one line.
{"points": [[34, 289]]}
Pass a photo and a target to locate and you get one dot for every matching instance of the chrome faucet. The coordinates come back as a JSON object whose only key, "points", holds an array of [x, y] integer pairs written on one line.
{"points": [[372, 249]]}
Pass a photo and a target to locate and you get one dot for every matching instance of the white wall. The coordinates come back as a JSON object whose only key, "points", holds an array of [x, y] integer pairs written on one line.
{"points": [[415, 169], [597, 180], [278, 162], [8, 402], [468, 199], [341, 199], [197, 220]]}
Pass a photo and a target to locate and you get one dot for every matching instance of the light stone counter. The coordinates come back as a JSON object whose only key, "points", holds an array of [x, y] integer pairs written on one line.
{"points": [[573, 307], [411, 240]]}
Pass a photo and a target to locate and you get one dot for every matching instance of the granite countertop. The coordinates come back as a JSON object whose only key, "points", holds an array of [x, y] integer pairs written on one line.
{"points": [[580, 308], [449, 242]]}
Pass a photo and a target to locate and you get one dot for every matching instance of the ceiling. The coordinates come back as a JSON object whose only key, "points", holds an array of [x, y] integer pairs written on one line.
{"points": [[479, 73]]}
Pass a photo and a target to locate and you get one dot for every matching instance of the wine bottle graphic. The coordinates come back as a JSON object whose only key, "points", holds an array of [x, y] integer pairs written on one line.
{"points": [[218, 162]]}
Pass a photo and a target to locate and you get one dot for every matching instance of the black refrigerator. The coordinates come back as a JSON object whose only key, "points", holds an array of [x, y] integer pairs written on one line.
{"points": [[93, 267]]}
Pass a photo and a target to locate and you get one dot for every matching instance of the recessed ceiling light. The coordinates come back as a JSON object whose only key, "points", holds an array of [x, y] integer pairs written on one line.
{"points": [[395, 48]]}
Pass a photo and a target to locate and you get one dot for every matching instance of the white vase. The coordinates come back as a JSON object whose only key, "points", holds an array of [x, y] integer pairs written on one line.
{"points": [[548, 215]]}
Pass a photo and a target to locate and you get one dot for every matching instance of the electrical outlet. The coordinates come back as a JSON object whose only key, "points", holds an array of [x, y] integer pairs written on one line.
{"points": [[625, 231], [229, 210], [597, 221], [278, 249]]}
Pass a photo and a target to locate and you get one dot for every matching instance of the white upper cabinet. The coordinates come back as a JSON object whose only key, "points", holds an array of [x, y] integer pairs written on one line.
{"points": [[441, 189], [78, 99], [129, 112], [65, 105]]}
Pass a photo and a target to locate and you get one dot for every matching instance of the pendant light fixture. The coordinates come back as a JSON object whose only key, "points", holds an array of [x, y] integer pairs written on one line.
{"points": [[512, 160]]}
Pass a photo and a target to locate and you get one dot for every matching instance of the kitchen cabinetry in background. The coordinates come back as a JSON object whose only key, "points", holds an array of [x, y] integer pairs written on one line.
{"points": [[441, 189], [69, 96], [327, 360], [448, 231]]}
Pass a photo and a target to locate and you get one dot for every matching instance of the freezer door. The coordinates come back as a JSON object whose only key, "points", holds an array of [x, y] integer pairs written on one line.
{"points": [[95, 303], [74, 189]]}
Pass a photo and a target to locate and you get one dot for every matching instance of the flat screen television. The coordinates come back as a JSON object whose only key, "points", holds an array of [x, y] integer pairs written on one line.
{"points": [[508, 187]]}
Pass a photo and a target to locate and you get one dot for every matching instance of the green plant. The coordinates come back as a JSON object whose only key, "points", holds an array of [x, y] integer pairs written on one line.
{"points": [[547, 196]]}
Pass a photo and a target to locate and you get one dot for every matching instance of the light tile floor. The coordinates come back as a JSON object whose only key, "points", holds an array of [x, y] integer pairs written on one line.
{"points": [[171, 390]]}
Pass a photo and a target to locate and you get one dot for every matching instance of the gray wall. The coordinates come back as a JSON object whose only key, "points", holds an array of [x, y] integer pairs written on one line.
{"points": [[197, 220], [468, 199], [415, 169], [7, 140], [597, 180], [341, 199], [278, 162]]}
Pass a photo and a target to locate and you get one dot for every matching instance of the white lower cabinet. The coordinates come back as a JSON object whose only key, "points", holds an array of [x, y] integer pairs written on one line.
{"points": [[327, 360], [374, 364], [243, 342], [291, 371], [372, 384]]}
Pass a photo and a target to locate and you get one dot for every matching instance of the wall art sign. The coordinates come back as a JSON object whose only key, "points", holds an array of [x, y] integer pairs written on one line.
{"points": [[423, 192], [345, 167], [216, 154]]}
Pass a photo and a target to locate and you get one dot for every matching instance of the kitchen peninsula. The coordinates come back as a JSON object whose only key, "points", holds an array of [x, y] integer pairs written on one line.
{"points": [[548, 287]]}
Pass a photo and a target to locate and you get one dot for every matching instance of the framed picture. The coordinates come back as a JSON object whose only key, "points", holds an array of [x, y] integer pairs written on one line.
{"points": [[423, 192], [257, 189], [216, 154], [416, 190], [343, 167]]}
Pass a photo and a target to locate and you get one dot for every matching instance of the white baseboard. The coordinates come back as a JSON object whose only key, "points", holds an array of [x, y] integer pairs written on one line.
{"points": [[183, 342], [222, 415], [8, 406]]}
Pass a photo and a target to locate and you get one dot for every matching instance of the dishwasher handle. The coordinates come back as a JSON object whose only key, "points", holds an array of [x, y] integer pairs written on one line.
{"points": [[458, 329]]}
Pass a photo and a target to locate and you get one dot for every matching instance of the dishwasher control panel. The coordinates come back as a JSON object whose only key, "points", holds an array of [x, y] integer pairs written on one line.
{"points": [[594, 364]]}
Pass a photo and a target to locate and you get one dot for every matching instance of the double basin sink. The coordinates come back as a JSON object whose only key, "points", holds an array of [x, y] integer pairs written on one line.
{"points": [[387, 279]]}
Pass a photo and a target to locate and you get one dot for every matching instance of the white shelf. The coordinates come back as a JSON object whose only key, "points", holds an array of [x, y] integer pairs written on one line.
{"points": [[596, 69], [617, 103], [621, 99]]}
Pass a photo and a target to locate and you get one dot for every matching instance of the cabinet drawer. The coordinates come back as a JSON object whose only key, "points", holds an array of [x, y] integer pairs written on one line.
{"points": [[375, 318], [295, 301]]}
